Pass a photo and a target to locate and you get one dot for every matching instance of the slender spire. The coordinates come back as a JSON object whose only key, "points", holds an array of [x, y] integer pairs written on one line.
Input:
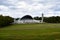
{"points": [[42, 17]]}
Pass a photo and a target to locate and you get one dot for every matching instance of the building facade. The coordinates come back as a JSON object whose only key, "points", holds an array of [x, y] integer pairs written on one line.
{"points": [[28, 19]]}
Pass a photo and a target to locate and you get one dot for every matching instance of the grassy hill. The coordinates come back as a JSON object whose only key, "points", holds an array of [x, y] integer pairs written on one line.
{"points": [[31, 32]]}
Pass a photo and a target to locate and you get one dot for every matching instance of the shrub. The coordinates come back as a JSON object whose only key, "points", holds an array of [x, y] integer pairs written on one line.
{"points": [[5, 20]]}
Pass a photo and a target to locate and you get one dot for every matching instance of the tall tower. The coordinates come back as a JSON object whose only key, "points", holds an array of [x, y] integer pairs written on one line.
{"points": [[42, 18]]}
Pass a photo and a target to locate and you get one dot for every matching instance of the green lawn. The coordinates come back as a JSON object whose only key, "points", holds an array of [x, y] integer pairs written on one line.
{"points": [[31, 32]]}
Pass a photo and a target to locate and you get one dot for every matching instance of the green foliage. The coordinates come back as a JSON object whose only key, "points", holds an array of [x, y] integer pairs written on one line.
{"points": [[37, 18], [17, 18], [52, 19], [5, 20]]}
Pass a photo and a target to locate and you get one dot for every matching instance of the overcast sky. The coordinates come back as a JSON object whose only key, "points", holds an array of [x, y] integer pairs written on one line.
{"points": [[19, 8]]}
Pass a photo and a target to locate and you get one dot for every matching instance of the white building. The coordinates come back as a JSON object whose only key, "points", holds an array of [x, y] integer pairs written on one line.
{"points": [[28, 19]]}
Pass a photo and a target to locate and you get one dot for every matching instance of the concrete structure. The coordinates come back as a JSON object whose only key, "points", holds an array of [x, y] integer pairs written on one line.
{"points": [[42, 17], [28, 19]]}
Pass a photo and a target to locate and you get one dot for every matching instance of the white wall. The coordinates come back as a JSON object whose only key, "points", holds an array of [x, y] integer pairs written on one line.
{"points": [[27, 21]]}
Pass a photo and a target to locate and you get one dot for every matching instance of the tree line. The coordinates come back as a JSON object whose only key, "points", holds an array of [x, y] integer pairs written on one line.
{"points": [[5, 20], [53, 19]]}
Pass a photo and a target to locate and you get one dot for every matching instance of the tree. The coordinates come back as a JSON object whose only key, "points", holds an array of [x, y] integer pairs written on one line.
{"points": [[37, 18], [5, 21], [52, 19]]}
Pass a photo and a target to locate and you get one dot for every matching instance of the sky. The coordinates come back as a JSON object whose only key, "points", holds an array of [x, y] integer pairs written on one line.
{"points": [[19, 8]]}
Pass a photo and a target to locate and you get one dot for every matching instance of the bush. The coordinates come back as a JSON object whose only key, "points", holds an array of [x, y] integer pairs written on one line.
{"points": [[5, 20], [52, 19]]}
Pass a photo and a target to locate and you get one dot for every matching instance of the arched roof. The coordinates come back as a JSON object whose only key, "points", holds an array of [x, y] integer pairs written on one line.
{"points": [[26, 17]]}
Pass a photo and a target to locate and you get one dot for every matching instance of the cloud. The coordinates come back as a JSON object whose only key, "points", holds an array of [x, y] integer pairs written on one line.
{"points": [[19, 8]]}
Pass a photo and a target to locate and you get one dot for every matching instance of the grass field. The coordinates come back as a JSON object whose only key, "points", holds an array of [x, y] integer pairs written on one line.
{"points": [[31, 32]]}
